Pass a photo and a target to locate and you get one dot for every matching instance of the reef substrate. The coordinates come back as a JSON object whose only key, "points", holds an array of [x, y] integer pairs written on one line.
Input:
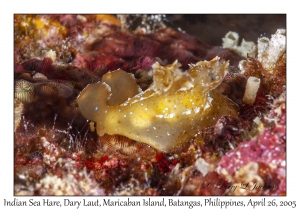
{"points": [[235, 146]]}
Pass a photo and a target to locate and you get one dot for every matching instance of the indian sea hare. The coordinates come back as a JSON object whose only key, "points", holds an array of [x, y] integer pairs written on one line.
{"points": [[168, 113]]}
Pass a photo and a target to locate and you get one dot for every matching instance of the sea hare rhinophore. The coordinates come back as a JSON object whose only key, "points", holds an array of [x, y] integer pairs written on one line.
{"points": [[169, 112]]}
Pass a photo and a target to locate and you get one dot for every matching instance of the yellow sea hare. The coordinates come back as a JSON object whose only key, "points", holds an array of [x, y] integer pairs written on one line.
{"points": [[168, 113]]}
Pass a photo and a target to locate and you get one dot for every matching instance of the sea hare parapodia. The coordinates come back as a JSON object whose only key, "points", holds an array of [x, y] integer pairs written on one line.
{"points": [[169, 112]]}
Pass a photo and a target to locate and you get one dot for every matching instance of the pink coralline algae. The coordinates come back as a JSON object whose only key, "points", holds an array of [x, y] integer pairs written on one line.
{"points": [[57, 56], [268, 149]]}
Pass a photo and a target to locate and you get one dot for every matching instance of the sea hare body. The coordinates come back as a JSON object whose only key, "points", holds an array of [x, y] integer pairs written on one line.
{"points": [[169, 112]]}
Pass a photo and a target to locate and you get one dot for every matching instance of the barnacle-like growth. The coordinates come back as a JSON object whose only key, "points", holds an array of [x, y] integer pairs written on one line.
{"points": [[245, 49], [28, 92], [271, 51], [124, 147], [24, 91], [169, 112]]}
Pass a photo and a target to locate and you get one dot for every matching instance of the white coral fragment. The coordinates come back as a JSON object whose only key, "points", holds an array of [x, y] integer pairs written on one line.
{"points": [[246, 48], [202, 166], [51, 54], [230, 40], [251, 90], [270, 51]]}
